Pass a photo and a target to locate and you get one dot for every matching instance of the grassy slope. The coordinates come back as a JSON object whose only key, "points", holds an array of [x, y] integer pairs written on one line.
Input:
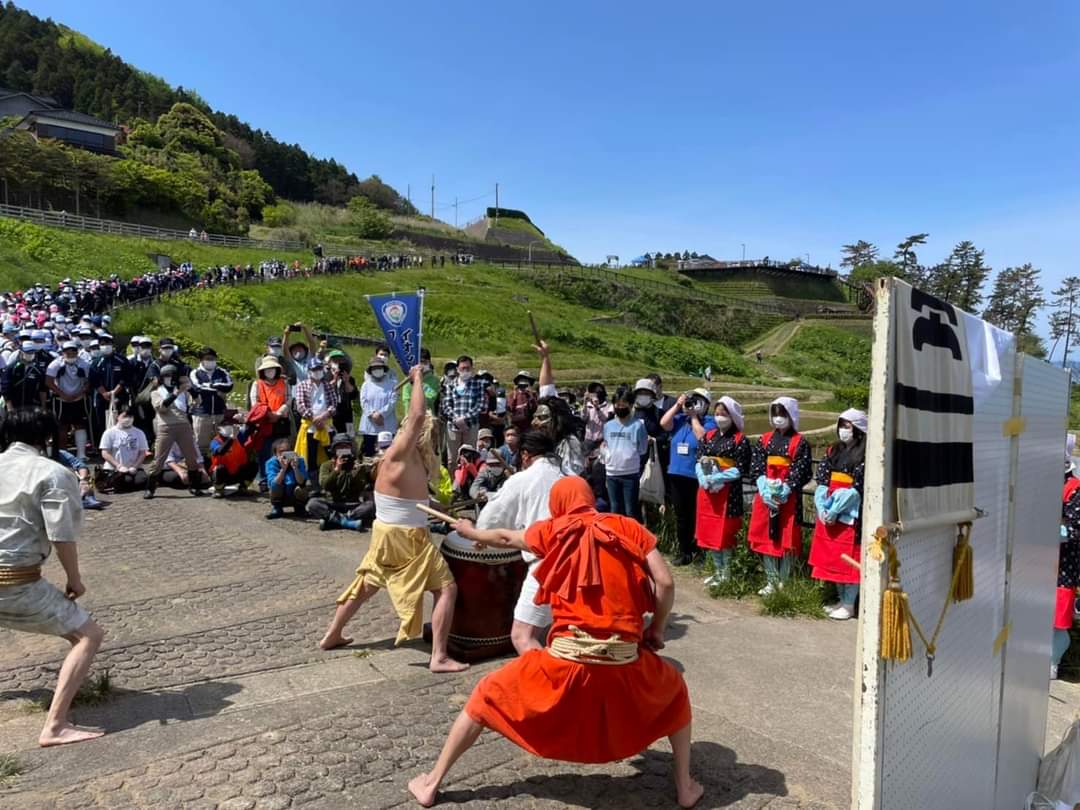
{"points": [[824, 354]]}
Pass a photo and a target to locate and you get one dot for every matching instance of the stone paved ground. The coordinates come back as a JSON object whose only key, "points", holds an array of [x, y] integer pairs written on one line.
{"points": [[220, 698]]}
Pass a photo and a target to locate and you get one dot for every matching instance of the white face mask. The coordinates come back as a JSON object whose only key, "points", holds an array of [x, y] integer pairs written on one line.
{"points": [[145, 353], [167, 382], [845, 434], [643, 400], [166, 353], [71, 360], [276, 351], [378, 373], [465, 376], [271, 374], [723, 423], [209, 365], [95, 353], [106, 350], [316, 375], [780, 422], [125, 422]]}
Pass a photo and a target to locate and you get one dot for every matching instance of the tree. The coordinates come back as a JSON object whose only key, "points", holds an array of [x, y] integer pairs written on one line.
{"points": [[874, 270], [960, 278], [907, 261], [1064, 322], [858, 254], [370, 222], [1015, 300]]}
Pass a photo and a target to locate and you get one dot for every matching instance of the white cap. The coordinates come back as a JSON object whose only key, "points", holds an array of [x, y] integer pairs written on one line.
{"points": [[704, 394], [385, 439], [645, 384]]}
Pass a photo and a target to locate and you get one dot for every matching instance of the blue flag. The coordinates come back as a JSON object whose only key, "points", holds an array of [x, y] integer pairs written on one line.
{"points": [[401, 319]]}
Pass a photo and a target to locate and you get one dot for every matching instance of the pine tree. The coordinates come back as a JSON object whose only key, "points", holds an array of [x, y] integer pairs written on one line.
{"points": [[908, 262], [858, 254], [960, 278], [1064, 323], [1016, 299]]}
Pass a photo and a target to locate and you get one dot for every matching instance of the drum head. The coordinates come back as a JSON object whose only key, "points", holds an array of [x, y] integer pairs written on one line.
{"points": [[457, 547]]}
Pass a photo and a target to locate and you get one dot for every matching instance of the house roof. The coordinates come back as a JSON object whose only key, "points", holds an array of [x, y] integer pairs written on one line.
{"points": [[73, 117], [44, 101]]}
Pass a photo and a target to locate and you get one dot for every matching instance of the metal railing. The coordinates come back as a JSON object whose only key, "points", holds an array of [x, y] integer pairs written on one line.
{"points": [[62, 219]]}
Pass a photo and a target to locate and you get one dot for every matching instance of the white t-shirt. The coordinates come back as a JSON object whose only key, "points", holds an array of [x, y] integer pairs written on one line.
{"points": [[522, 500], [67, 375], [127, 446]]}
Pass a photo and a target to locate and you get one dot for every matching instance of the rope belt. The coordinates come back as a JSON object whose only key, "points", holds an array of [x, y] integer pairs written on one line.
{"points": [[585, 649], [19, 576]]}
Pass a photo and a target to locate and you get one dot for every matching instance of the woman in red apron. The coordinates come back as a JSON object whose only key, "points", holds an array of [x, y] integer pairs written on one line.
{"points": [[1068, 560], [838, 499], [723, 457], [781, 467]]}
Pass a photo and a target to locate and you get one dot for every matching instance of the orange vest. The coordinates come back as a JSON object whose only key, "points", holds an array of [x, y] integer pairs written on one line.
{"points": [[233, 459], [273, 395]]}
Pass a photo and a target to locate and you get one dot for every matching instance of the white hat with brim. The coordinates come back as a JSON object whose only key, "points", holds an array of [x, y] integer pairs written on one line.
{"points": [[268, 363], [645, 384]]}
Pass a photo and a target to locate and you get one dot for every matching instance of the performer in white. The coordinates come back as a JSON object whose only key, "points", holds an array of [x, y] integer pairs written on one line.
{"points": [[518, 504], [41, 510]]}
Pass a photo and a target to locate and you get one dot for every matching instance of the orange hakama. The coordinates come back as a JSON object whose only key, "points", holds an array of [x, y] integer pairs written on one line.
{"points": [[594, 576]]}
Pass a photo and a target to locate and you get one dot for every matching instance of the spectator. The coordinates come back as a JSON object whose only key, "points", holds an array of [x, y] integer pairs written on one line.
{"points": [[492, 475], [167, 356], [316, 401], [625, 444], [348, 392], [597, 411], [172, 404], [209, 384], [230, 460], [431, 383], [271, 393], [300, 345], [79, 467], [181, 474], [521, 404], [347, 500], [687, 421], [462, 403], [22, 382], [378, 402], [68, 377], [124, 449], [383, 441], [466, 470], [287, 477], [110, 380], [646, 409], [554, 417], [511, 450], [485, 440]]}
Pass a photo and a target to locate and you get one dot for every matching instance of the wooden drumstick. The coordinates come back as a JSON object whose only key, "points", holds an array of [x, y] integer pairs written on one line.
{"points": [[435, 513], [853, 563], [535, 331]]}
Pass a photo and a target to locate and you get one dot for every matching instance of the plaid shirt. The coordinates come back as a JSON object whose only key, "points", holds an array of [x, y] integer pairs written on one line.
{"points": [[303, 395], [467, 404]]}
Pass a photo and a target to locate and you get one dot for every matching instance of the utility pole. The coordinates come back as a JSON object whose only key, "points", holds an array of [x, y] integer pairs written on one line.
{"points": [[1068, 333], [744, 251], [408, 193], [433, 196], [496, 203], [455, 212]]}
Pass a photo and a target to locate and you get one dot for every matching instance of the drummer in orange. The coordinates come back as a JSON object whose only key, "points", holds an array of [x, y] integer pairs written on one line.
{"points": [[402, 557], [598, 692]]}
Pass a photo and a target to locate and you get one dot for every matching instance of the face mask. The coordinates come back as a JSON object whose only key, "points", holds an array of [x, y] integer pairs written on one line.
{"points": [[125, 422], [723, 423], [426, 368], [226, 432], [316, 375], [643, 400], [209, 365], [71, 360], [780, 422], [28, 347], [167, 382], [271, 374], [451, 374], [107, 350], [622, 412], [846, 435], [383, 357], [95, 353], [276, 351], [465, 376], [378, 373], [166, 354], [144, 353], [485, 444]]}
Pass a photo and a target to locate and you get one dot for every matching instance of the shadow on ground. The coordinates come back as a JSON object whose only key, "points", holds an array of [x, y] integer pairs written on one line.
{"points": [[726, 781]]}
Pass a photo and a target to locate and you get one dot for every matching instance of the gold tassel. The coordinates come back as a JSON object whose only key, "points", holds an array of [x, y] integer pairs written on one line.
{"points": [[895, 614], [963, 566]]}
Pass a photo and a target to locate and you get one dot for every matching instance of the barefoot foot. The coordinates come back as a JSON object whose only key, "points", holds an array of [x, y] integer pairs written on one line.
{"points": [[331, 642], [423, 790], [690, 793], [67, 734], [446, 664]]}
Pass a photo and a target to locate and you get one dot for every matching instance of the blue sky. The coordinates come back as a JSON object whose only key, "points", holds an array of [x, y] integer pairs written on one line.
{"points": [[625, 127]]}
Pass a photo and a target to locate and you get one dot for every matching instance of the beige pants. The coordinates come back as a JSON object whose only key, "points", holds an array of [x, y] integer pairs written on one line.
{"points": [[205, 428], [166, 436], [455, 438]]}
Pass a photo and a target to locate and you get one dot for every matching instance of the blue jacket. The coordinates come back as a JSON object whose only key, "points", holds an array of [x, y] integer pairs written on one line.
{"points": [[273, 467]]}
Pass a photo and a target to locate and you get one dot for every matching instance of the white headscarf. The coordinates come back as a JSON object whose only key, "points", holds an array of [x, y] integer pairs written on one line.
{"points": [[856, 417], [791, 405], [1070, 445], [734, 410]]}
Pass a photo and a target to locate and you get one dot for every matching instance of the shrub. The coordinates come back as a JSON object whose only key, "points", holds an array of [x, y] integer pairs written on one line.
{"points": [[279, 215], [857, 396], [370, 222]]}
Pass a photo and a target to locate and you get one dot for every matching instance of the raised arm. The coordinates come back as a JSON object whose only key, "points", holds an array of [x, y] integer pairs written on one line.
{"points": [[413, 423], [547, 376], [667, 421], [500, 538]]}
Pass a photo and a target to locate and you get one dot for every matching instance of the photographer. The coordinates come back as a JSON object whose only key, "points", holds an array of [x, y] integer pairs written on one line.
{"points": [[286, 474], [346, 501], [687, 421], [171, 401]]}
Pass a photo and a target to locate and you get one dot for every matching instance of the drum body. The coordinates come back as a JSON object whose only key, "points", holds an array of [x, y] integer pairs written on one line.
{"points": [[488, 581]]}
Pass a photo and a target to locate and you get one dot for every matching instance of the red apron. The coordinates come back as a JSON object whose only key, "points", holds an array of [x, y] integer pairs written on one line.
{"points": [[715, 529], [832, 541], [789, 533], [1066, 597]]}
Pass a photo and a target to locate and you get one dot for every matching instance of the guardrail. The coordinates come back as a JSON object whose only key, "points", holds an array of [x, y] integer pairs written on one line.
{"points": [[62, 219]]}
